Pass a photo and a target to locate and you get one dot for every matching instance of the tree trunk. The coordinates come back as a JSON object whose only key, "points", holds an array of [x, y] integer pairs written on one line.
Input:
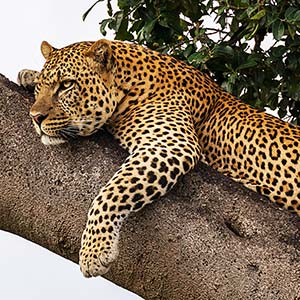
{"points": [[209, 238]]}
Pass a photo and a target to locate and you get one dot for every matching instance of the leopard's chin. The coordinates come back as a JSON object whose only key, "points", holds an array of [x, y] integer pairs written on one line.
{"points": [[52, 140]]}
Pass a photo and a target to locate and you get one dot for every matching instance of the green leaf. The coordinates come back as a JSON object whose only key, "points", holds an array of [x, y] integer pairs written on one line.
{"points": [[103, 25], [109, 8], [292, 62], [170, 20], [89, 10], [148, 27], [136, 26], [118, 18], [259, 15], [247, 65], [293, 90], [289, 13], [123, 4], [221, 10], [278, 51], [283, 107], [188, 50], [222, 21], [145, 30], [297, 16], [251, 9], [292, 15], [197, 58], [123, 33], [278, 30], [252, 31], [292, 31], [223, 50], [234, 26]]}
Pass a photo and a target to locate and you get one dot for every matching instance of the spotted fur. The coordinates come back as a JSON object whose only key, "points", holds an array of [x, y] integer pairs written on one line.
{"points": [[168, 115]]}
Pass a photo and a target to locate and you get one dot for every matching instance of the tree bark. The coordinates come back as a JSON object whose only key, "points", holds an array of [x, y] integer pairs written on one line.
{"points": [[209, 238]]}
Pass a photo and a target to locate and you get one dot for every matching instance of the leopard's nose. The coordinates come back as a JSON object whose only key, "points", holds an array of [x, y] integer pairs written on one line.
{"points": [[38, 118]]}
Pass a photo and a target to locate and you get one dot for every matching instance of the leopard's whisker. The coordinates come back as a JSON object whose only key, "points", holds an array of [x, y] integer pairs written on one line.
{"points": [[69, 132]]}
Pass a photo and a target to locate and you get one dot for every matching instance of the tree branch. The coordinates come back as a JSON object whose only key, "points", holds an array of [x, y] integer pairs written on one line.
{"points": [[208, 239]]}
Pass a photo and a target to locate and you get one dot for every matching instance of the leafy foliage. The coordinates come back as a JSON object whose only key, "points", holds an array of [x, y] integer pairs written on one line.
{"points": [[228, 38]]}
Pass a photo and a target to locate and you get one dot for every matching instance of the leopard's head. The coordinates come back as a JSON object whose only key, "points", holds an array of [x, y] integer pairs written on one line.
{"points": [[73, 93]]}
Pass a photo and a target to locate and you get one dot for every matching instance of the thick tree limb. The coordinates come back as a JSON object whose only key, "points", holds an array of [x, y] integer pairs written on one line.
{"points": [[208, 239]]}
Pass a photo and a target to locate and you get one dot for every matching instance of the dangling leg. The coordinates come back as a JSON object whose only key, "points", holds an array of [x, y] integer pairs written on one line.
{"points": [[144, 177]]}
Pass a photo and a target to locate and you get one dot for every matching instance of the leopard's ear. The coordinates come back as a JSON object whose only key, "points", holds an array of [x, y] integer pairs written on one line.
{"points": [[46, 49], [100, 55]]}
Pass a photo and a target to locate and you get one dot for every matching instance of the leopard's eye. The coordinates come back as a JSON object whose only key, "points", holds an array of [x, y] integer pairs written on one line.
{"points": [[66, 84]]}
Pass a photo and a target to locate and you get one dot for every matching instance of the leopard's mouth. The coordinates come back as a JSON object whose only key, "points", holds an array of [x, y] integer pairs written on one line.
{"points": [[56, 137]]}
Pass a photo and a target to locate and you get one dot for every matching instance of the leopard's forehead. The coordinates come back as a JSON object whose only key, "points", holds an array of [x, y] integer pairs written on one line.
{"points": [[73, 52], [66, 61]]}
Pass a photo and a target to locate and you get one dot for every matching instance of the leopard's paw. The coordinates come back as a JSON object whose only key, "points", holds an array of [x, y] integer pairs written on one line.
{"points": [[27, 79], [95, 259]]}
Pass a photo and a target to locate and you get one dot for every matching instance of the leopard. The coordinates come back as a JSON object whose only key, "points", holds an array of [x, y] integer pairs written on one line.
{"points": [[169, 116]]}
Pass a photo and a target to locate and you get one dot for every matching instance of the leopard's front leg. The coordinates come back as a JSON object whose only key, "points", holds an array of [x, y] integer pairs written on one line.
{"points": [[27, 79], [145, 176]]}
